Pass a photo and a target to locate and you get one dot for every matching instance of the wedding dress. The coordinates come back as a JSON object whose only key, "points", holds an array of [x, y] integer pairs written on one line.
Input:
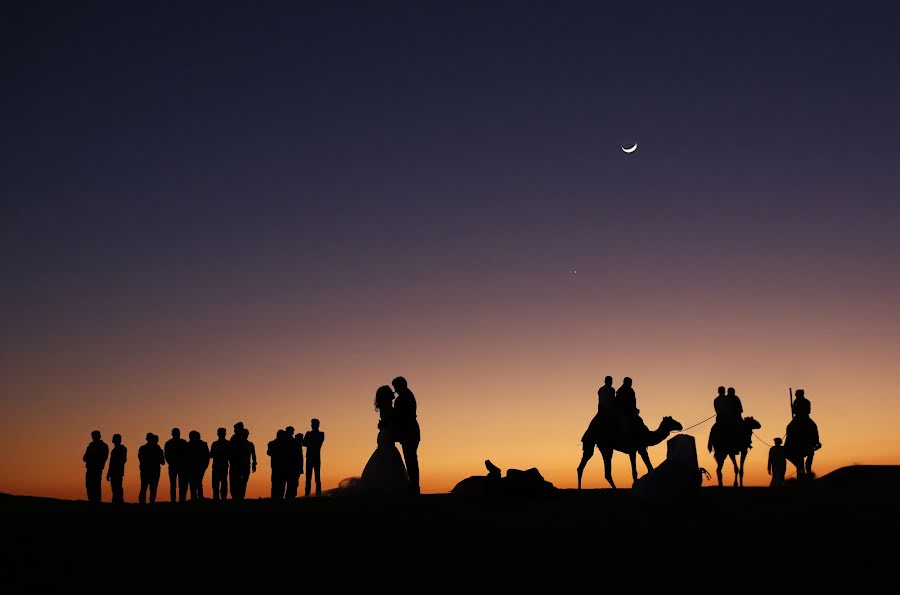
{"points": [[384, 472]]}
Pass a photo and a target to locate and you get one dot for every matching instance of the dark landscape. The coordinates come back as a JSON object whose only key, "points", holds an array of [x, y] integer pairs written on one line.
{"points": [[839, 527]]}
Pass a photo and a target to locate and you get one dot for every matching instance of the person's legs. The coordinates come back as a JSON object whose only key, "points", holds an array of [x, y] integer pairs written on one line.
{"points": [[115, 484], [277, 486], [318, 479], [309, 472], [411, 458], [182, 485], [216, 481], [292, 485], [142, 495], [154, 485], [94, 480], [173, 483], [235, 483]]}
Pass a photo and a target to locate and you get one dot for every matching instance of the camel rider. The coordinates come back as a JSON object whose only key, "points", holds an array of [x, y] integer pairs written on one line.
{"points": [[626, 403], [801, 409], [801, 405], [606, 398]]}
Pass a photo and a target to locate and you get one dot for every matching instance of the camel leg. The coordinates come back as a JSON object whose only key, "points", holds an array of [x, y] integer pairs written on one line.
{"points": [[607, 467], [743, 458], [736, 470], [632, 456], [586, 455], [646, 458]]}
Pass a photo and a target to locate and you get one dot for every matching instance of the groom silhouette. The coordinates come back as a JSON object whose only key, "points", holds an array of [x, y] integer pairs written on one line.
{"points": [[406, 430]]}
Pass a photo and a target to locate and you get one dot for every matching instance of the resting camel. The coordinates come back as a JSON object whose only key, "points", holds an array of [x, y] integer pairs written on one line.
{"points": [[605, 435], [729, 446]]}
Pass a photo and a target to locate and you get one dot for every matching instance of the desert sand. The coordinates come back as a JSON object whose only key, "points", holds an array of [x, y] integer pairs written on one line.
{"points": [[838, 528]]}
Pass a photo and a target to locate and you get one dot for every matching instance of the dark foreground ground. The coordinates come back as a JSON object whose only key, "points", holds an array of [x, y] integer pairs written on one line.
{"points": [[841, 527]]}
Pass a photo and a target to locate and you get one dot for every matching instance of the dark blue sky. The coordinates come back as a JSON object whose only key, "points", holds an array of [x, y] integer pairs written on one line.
{"points": [[157, 155]]}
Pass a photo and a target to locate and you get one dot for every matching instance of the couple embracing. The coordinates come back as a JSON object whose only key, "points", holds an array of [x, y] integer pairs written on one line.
{"points": [[386, 472]]}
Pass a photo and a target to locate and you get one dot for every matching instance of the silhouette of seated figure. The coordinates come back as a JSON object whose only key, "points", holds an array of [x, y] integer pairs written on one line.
{"points": [[631, 424]]}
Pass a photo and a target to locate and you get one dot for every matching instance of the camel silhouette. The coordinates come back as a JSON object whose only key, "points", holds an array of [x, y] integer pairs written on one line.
{"points": [[730, 444], [606, 437]]}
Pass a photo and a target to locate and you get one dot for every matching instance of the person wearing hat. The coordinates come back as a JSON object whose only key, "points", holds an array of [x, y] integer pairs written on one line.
{"points": [[777, 464]]}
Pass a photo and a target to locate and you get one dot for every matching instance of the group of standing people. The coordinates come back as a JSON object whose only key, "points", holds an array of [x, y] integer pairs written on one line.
{"points": [[232, 459], [286, 456]]}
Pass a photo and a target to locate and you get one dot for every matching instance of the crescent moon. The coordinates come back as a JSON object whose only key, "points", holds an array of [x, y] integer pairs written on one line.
{"points": [[631, 149]]}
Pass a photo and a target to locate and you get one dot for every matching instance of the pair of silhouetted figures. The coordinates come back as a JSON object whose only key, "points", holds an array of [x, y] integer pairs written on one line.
{"points": [[286, 457], [386, 472], [731, 435], [233, 460], [618, 426]]}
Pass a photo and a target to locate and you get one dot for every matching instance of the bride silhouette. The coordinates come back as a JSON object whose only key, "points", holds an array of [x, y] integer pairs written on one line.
{"points": [[385, 472]]}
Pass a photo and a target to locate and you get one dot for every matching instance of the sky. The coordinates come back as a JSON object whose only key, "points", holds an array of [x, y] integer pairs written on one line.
{"points": [[212, 212]]}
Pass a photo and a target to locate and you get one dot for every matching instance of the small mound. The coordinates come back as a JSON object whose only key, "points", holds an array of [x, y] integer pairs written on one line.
{"points": [[885, 477]]}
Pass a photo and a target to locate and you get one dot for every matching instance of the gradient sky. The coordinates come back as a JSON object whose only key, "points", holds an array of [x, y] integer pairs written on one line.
{"points": [[228, 211]]}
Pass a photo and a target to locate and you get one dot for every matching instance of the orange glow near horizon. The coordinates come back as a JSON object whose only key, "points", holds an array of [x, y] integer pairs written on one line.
{"points": [[502, 384]]}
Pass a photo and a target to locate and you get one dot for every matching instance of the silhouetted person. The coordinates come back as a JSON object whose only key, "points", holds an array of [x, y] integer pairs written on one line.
{"points": [[95, 456], [295, 463], [313, 441], [218, 452], [150, 458], [115, 473], [197, 460], [406, 430], [777, 464], [242, 461], [279, 453], [626, 403], [176, 458], [801, 405], [606, 398]]}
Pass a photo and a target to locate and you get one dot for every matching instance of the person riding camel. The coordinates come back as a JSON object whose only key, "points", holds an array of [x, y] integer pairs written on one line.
{"points": [[729, 414], [626, 403], [801, 405]]}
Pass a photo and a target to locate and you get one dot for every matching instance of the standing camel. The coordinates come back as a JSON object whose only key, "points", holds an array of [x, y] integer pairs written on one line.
{"points": [[729, 444], [606, 437]]}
